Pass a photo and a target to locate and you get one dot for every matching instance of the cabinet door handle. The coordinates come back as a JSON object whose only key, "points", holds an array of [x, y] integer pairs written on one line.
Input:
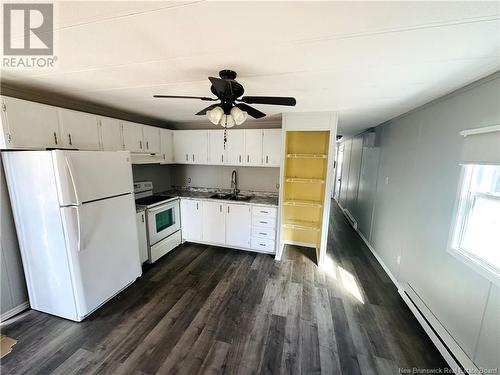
{"points": [[240, 158], [55, 138], [140, 145], [147, 145], [222, 158], [164, 158], [227, 209], [193, 157], [264, 234], [220, 208], [267, 159], [248, 158], [186, 157], [196, 205], [70, 141], [263, 222]]}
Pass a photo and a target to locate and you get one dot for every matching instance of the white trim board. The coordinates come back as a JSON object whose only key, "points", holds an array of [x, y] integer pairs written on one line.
{"points": [[444, 342], [16, 310]]}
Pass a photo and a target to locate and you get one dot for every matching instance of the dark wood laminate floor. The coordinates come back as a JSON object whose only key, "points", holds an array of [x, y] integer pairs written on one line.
{"points": [[208, 310]]}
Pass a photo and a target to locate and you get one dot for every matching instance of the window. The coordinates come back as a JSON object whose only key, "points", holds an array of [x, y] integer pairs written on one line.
{"points": [[476, 234]]}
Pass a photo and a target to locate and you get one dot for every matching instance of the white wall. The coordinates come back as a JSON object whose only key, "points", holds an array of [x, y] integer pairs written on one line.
{"points": [[413, 174], [12, 285], [213, 176]]}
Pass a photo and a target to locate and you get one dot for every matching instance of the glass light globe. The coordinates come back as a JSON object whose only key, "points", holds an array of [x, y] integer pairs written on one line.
{"points": [[239, 116], [215, 115], [227, 121]]}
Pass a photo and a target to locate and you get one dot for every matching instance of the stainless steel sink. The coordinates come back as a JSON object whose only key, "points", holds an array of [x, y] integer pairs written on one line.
{"points": [[240, 197], [221, 196], [231, 197]]}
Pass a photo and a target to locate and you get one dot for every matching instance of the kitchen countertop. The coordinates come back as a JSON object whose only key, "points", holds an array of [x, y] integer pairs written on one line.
{"points": [[258, 198]]}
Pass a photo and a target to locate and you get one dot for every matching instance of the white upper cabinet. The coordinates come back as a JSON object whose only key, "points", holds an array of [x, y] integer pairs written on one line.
{"points": [[238, 224], [214, 229], [191, 146], [253, 147], [151, 139], [181, 146], [133, 139], [199, 146], [29, 125], [216, 153], [271, 146], [111, 136], [235, 147], [166, 146], [79, 130]]}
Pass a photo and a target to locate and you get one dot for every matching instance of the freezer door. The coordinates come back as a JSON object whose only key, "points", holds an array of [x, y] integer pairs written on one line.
{"points": [[103, 249], [84, 176]]}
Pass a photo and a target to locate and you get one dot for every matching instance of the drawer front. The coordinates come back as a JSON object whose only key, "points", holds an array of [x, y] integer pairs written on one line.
{"points": [[263, 232], [262, 245], [263, 221], [164, 246], [264, 211]]}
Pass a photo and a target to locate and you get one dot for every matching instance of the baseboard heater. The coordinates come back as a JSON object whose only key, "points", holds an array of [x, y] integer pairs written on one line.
{"points": [[443, 348], [351, 219]]}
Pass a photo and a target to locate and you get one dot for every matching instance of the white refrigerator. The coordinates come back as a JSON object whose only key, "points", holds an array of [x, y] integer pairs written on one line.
{"points": [[75, 219]]}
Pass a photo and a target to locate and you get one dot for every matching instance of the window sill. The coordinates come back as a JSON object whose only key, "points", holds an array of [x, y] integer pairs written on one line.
{"points": [[483, 269]]}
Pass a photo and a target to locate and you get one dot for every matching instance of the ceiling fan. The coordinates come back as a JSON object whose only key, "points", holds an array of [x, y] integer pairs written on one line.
{"points": [[233, 107]]}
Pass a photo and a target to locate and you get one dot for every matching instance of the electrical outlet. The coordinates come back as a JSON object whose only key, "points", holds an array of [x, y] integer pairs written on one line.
{"points": [[189, 180]]}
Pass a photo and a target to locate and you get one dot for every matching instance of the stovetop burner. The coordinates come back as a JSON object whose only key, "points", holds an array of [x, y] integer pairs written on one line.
{"points": [[146, 201]]}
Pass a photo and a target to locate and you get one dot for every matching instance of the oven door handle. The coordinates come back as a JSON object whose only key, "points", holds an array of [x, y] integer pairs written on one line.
{"points": [[162, 208]]}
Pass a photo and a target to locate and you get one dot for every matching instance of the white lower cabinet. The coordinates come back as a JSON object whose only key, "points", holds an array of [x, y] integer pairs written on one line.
{"points": [[191, 220], [238, 224], [264, 228], [142, 235], [214, 219]]}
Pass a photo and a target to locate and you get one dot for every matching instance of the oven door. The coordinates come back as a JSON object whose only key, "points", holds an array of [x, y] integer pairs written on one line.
{"points": [[163, 220]]}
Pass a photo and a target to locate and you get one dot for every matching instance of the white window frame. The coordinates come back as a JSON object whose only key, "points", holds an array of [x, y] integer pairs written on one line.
{"points": [[464, 201]]}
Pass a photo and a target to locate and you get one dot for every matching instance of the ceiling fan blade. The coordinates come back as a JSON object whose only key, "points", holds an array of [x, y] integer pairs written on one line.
{"points": [[222, 87], [205, 110], [186, 97], [255, 113], [276, 100]]}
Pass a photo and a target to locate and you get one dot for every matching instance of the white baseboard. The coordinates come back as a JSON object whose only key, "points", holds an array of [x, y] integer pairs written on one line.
{"points": [[444, 343], [16, 310]]}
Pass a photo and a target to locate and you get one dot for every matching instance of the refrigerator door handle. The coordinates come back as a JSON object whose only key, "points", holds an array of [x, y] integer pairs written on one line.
{"points": [[78, 227], [72, 177]]}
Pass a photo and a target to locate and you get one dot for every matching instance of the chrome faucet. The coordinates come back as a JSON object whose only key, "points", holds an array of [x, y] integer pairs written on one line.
{"points": [[234, 182]]}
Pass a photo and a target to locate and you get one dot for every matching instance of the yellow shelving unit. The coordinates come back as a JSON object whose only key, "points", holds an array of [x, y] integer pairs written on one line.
{"points": [[304, 190]]}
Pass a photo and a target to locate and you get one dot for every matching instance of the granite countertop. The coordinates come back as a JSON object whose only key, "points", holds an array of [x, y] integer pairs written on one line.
{"points": [[268, 199]]}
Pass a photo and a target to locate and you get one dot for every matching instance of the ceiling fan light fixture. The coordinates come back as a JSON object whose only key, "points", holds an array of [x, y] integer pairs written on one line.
{"points": [[215, 115], [227, 121], [238, 115]]}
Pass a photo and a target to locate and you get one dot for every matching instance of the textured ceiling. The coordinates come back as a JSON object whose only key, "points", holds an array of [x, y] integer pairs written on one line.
{"points": [[370, 61]]}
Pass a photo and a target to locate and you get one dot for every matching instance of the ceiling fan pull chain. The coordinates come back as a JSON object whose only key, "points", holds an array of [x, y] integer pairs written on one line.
{"points": [[225, 136]]}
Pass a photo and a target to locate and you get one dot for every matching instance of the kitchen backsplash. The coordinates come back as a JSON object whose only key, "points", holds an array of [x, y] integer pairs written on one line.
{"points": [[212, 176], [160, 175]]}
